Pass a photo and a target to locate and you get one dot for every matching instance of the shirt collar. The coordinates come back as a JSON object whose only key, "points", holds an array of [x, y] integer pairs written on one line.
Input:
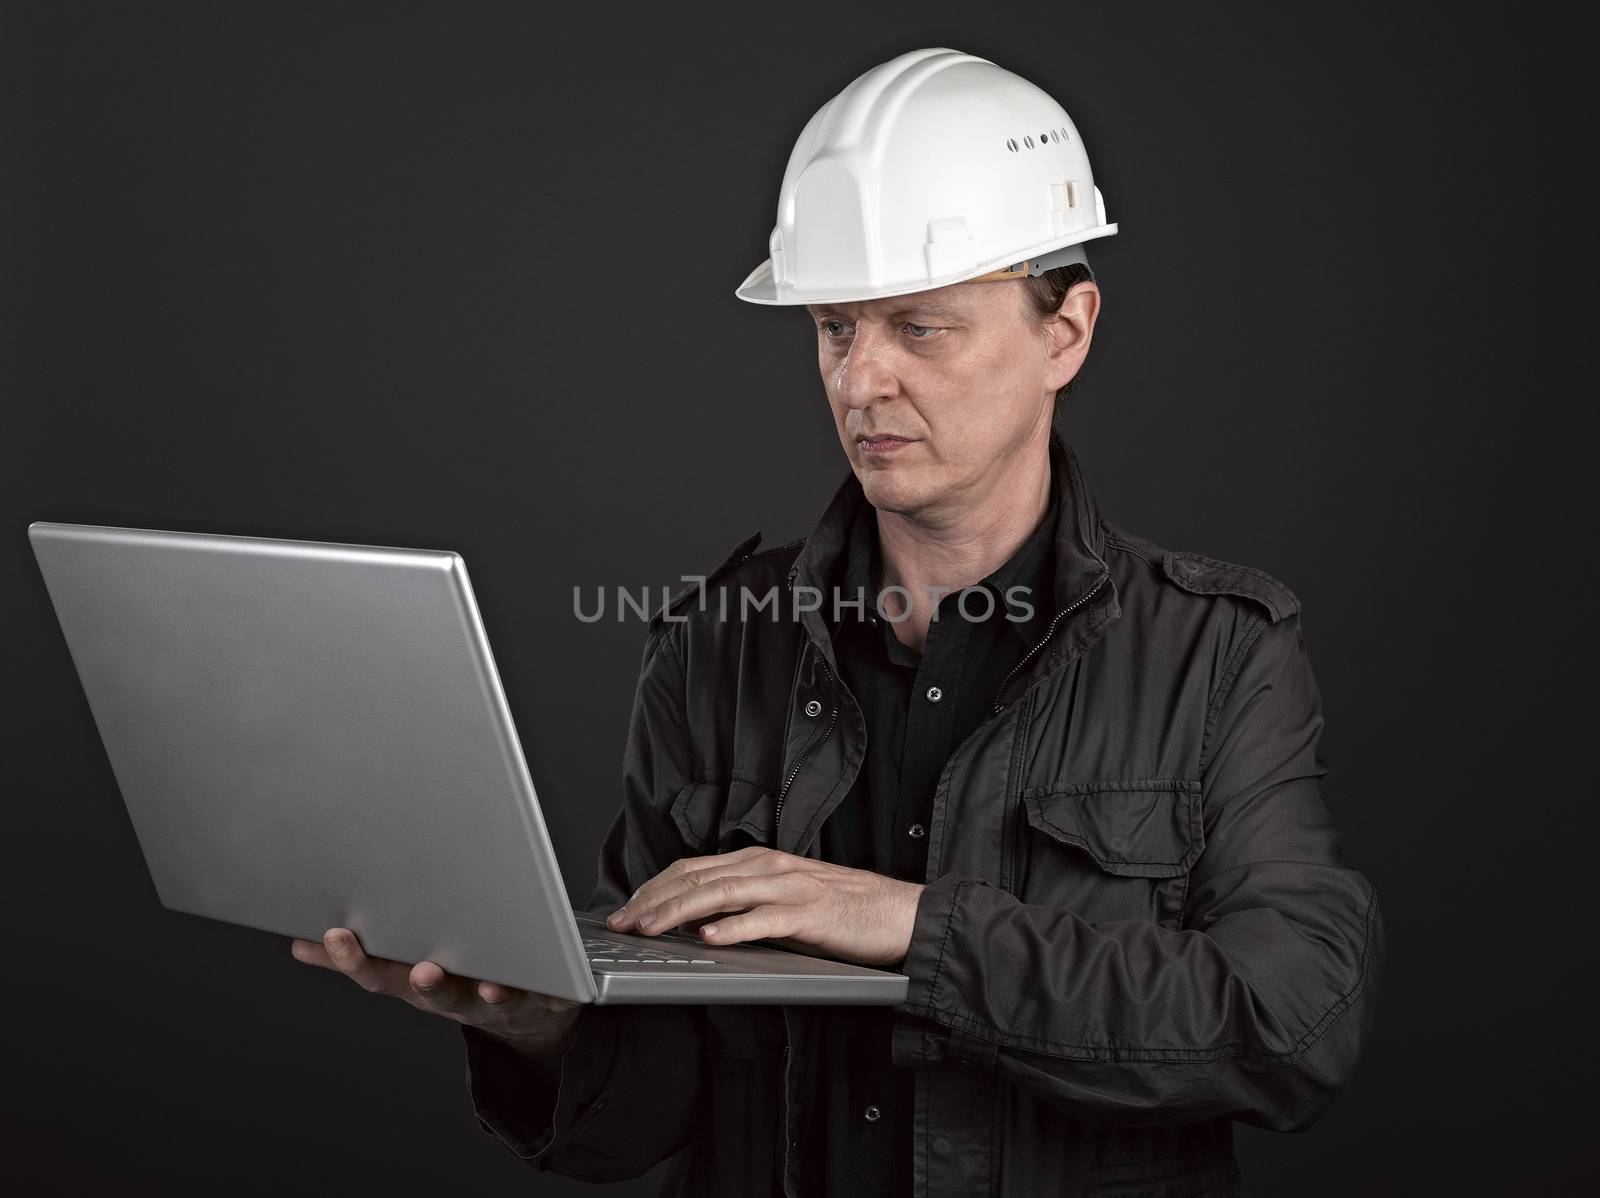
{"points": [[1072, 544], [1028, 567]]}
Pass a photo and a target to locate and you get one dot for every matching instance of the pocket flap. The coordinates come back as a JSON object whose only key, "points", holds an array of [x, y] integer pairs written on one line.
{"points": [[1148, 829]]}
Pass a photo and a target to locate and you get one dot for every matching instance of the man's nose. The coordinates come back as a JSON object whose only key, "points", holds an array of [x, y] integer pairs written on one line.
{"points": [[866, 373]]}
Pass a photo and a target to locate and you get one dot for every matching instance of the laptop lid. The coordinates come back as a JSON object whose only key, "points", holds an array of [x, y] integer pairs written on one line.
{"points": [[311, 735]]}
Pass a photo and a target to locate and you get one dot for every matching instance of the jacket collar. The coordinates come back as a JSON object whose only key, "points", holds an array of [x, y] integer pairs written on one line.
{"points": [[1078, 564]]}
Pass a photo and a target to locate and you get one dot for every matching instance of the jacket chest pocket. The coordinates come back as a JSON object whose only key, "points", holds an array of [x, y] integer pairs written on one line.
{"points": [[721, 816], [1110, 849]]}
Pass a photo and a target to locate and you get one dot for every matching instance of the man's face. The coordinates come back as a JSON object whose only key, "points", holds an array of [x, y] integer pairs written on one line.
{"points": [[934, 393]]}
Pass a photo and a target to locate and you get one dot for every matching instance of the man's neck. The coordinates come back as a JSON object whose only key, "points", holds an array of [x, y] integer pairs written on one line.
{"points": [[960, 547]]}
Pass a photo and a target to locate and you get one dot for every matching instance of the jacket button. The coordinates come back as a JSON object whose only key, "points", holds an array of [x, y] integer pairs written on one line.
{"points": [[934, 694], [916, 831], [872, 1114], [940, 1144], [813, 709]]}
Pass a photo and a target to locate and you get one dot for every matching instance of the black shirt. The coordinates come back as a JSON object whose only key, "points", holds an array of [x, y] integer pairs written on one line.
{"points": [[918, 709]]}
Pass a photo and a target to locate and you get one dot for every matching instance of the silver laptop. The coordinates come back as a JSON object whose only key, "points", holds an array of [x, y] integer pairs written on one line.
{"points": [[313, 735]]}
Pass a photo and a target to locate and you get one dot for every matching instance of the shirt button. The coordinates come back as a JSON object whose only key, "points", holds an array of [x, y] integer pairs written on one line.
{"points": [[941, 1145], [916, 831], [813, 709], [872, 1114], [934, 694]]}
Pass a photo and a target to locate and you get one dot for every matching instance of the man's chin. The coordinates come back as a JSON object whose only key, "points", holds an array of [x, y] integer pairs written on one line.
{"points": [[892, 490]]}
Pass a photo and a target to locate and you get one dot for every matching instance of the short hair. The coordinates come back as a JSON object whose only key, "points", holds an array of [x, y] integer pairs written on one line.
{"points": [[1044, 294]]}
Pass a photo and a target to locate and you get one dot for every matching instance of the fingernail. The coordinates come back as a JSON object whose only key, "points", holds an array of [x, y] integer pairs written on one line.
{"points": [[710, 929], [616, 916], [647, 920]]}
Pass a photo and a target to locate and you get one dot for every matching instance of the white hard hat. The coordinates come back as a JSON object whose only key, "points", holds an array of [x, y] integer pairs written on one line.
{"points": [[936, 167]]}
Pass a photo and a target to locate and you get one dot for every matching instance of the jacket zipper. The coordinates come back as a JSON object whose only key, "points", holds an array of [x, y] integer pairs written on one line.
{"points": [[816, 743], [1042, 641]]}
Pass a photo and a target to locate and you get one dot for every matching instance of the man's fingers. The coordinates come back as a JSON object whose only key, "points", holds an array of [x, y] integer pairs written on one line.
{"points": [[373, 974], [500, 1002], [766, 922], [505, 1007], [442, 993], [685, 866], [495, 994], [426, 985], [691, 873], [311, 952], [646, 916], [733, 893]]}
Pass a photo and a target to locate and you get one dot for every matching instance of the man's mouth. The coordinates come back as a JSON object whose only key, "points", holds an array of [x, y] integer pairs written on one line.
{"points": [[881, 443]]}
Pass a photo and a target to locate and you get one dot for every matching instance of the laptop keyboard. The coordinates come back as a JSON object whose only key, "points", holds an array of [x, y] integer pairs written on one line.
{"points": [[613, 952]]}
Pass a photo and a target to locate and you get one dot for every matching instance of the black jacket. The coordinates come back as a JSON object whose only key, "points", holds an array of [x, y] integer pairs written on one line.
{"points": [[1136, 929]]}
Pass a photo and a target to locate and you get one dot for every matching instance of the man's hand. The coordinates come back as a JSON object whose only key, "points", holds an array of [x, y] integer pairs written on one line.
{"points": [[850, 914], [538, 1025]]}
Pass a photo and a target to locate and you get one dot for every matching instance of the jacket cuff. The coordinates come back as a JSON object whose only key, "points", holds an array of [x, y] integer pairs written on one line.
{"points": [[534, 1107], [930, 941], [918, 1039]]}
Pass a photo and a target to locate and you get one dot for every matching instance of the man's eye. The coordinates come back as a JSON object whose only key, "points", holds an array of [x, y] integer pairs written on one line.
{"points": [[838, 328]]}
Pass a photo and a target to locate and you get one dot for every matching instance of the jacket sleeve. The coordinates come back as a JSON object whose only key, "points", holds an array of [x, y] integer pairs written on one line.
{"points": [[622, 1097], [1255, 1009]]}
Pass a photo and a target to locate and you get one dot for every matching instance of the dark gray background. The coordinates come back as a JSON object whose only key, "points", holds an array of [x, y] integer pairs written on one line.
{"points": [[459, 277]]}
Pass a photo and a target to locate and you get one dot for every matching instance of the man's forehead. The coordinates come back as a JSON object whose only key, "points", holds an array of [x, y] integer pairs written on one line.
{"points": [[931, 304]]}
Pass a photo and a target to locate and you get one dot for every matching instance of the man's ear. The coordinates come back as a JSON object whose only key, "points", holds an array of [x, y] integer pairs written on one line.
{"points": [[1069, 332]]}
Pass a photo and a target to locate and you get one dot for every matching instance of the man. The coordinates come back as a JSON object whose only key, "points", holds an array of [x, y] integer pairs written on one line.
{"points": [[1064, 779]]}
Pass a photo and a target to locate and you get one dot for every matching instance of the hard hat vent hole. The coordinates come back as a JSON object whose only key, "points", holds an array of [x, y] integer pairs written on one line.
{"points": [[1064, 135], [1011, 144], [1028, 141]]}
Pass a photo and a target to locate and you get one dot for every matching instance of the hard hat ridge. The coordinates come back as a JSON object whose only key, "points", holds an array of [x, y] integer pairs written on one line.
{"points": [[933, 168]]}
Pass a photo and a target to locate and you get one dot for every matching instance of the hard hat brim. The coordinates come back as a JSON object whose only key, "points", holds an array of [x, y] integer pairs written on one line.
{"points": [[760, 288]]}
